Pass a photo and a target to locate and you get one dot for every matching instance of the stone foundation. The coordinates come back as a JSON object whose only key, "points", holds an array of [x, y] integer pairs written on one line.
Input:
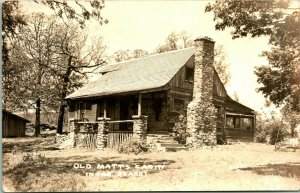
{"points": [[139, 128], [201, 113]]}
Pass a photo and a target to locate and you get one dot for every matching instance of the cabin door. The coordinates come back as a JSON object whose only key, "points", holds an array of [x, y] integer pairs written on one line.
{"points": [[124, 112]]}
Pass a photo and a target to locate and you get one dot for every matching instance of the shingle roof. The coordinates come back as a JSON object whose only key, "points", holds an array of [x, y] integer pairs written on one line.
{"points": [[233, 106], [150, 72], [17, 116]]}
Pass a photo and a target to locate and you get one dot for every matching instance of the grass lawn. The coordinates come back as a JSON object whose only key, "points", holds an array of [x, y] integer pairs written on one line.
{"points": [[36, 165]]}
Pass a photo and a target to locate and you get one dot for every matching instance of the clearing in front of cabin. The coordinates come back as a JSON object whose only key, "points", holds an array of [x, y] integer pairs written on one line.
{"points": [[35, 164]]}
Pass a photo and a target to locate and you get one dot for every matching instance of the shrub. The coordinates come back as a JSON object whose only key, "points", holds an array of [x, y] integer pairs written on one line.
{"points": [[261, 132], [179, 130], [132, 146], [278, 132], [271, 129]]}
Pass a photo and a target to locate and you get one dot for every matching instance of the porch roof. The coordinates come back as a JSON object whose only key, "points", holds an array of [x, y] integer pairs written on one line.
{"points": [[150, 72], [234, 107]]}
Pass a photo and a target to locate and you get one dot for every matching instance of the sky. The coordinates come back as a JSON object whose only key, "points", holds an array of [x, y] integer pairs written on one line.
{"points": [[146, 24]]}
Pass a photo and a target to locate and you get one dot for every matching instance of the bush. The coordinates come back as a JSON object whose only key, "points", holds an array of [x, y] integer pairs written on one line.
{"points": [[261, 132], [132, 146], [179, 130], [265, 129], [278, 132]]}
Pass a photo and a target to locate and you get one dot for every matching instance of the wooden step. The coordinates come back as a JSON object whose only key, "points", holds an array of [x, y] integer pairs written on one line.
{"points": [[175, 149], [170, 145]]}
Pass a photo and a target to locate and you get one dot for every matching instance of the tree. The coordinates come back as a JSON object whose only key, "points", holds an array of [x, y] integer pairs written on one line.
{"points": [[281, 22], [12, 19], [175, 41], [236, 96], [221, 65], [75, 61], [36, 44], [56, 59], [13, 76], [139, 53], [63, 9], [292, 117], [122, 55]]}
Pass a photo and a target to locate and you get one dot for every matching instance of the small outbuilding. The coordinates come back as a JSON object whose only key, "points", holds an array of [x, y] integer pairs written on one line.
{"points": [[13, 125]]}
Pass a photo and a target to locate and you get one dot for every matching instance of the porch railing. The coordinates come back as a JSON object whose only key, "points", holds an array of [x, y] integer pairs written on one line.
{"points": [[116, 137], [86, 133]]}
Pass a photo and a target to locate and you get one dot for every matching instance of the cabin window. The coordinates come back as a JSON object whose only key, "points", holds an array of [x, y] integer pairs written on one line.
{"points": [[178, 104], [189, 74], [219, 110]]}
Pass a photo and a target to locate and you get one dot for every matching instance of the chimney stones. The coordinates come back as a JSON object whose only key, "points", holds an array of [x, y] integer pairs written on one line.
{"points": [[201, 113]]}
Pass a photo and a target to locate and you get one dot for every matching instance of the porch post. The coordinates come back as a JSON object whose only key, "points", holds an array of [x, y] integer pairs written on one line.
{"points": [[234, 122], [224, 127], [139, 128], [238, 122], [101, 142], [104, 108], [140, 123], [140, 105], [254, 128]]}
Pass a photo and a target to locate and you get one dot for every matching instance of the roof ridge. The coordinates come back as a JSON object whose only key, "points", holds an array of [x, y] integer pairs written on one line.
{"points": [[149, 56]]}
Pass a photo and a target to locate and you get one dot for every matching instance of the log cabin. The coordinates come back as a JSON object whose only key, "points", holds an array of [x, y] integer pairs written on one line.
{"points": [[146, 96], [13, 125]]}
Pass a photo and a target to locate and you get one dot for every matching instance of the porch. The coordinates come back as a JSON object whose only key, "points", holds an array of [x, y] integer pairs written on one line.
{"points": [[109, 121], [239, 127]]}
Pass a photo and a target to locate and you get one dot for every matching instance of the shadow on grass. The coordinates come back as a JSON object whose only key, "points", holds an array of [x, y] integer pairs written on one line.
{"points": [[291, 169], [50, 167], [30, 144]]}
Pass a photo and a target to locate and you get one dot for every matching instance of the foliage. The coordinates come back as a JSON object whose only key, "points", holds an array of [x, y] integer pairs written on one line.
{"points": [[122, 55], [175, 41], [280, 79], [179, 130], [12, 18], [273, 129], [51, 60], [261, 132], [292, 117], [78, 11], [278, 132], [132, 146]]}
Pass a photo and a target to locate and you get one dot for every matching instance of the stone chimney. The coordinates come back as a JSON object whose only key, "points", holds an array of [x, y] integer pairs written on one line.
{"points": [[201, 113]]}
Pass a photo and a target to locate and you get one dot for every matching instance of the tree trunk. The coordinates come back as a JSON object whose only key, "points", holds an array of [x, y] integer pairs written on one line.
{"points": [[37, 131], [62, 106], [60, 120]]}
